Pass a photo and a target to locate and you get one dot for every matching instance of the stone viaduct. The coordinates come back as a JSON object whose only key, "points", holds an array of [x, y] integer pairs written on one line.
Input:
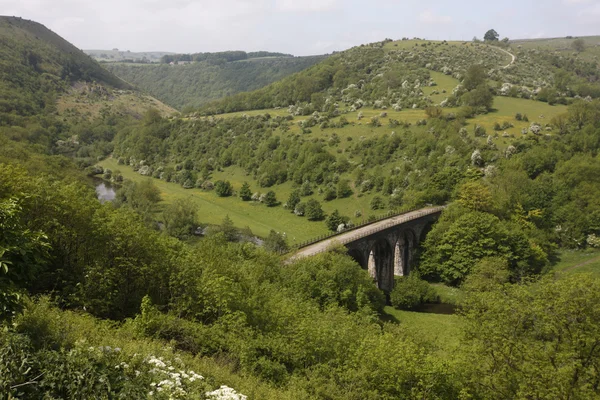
{"points": [[385, 248]]}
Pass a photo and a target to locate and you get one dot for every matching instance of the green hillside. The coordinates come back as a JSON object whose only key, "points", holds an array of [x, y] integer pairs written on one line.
{"points": [[54, 95], [124, 299], [589, 50], [191, 85], [388, 129]]}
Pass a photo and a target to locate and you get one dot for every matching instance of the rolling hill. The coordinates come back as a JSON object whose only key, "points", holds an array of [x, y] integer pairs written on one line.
{"points": [[39, 69], [194, 84], [371, 129]]}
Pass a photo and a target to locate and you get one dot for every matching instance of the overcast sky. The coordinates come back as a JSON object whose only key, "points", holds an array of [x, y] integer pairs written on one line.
{"points": [[300, 27]]}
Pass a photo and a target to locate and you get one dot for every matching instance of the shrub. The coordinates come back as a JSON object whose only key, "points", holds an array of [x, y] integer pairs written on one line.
{"points": [[270, 199], [314, 212], [223, 188], [377, 203], [411, 291]]}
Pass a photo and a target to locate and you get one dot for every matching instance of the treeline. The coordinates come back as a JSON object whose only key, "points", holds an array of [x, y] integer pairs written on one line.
{"points": [[190, 86], [219, 57]]}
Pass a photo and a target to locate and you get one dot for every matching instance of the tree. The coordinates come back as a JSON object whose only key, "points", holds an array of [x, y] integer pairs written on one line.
{"points": [[329, 193], [536, 340], [476, 75], [228, 229], [293, 200], [313, 210], [141, 196], [334, 220], [223, 188], [276, 242], [578, 45], [180, 218], [475, 196], [491, 36], [245, 192], [461, 238], [480, 97], [343, 189], [270, 199], [377, 203]]}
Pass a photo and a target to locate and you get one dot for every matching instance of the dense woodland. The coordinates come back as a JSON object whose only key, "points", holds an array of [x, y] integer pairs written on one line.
{"points": [[97, 302]]}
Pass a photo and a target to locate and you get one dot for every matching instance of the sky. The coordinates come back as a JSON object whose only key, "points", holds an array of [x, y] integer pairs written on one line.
{"points": [[299, 27]]}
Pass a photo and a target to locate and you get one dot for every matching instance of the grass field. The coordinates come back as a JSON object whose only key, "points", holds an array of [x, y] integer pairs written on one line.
{"points": [[578, 261], [261, 219], [444, 331]]}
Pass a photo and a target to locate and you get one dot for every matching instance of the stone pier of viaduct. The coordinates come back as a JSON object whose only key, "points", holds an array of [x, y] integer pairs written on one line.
{"points": [[385, 248]]}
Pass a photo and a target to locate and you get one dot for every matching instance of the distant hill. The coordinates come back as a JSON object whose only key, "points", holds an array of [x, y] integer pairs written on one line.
{"points": [[387, 74], [590, 52], [116, 55], [40, 70], [196, 83]]}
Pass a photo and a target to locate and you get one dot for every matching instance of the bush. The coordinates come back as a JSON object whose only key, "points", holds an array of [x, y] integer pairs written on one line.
{"points": [[377, 203], [314, 212], [223, 188], [270, 199], [411, 291]]}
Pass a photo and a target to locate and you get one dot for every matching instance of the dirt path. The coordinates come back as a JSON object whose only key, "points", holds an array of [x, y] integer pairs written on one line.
{"points": [[593, 260], [355, 234], [514, 58]]}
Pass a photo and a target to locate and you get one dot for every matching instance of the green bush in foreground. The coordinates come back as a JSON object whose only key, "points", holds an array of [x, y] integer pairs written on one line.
{"points": [[411, 291]]}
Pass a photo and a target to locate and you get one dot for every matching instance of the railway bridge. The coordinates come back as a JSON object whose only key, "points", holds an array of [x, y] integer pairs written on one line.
{"points": [[385, 248]]}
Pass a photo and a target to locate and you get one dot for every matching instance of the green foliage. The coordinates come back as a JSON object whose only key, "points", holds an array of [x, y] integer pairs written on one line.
{"points": [[270, 199], [313, 210], [377, 203], [474, 77], [479, 98], [142, 197], [411, 291], [491, 36], [293, 200], [334, 220], [245, 193], [180, 219], [534, 340], [343, 189], [276, 242], [223, 188], [464, 237], [578, 45], [228, 229]]}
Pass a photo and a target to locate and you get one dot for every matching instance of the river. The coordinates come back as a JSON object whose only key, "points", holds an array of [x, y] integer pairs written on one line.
{"points": [[104, 190]]}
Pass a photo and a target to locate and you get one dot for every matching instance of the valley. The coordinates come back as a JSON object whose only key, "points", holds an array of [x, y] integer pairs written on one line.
{"points": [[151, 205]]}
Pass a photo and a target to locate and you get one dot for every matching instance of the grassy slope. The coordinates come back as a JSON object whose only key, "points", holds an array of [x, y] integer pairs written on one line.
{"points": [[212, 209], [444, 331], [261, 220], [564, 45], [54, 51], [577, 261], [120, 101]]}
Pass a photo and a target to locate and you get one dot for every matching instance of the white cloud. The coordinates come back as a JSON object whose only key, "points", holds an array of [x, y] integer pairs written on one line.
{"points": [[307, 5], [428, 17]]}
